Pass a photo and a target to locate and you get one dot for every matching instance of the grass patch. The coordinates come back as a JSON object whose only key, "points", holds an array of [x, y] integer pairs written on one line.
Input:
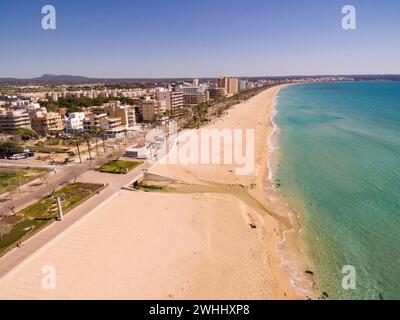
{"points": [[49, 149], [119, 166], [143, 186], [12, 178], [34, 217]]}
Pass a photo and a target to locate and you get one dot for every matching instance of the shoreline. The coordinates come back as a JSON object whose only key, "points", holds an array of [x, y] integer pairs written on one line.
{"points": [[289, 247], [291, 237], [272, 145]]}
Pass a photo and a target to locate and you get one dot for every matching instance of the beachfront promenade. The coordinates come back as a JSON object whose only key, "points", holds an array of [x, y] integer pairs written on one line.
{"points": [[114, 183]]}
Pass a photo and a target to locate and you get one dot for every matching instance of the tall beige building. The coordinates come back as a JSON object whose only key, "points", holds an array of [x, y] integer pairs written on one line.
{"points": [[216, 93], [176, 101], [149, 110], [51, 122], [230, 84], [194, 99], [173, 100], [94, 120], [125, 112]]}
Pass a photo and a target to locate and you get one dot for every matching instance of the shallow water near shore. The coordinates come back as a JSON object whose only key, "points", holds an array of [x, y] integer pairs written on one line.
{"points": [[339, 169]]}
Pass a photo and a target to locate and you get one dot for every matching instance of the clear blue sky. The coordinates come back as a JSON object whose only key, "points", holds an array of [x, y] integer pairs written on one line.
{"points": [[191, 38]]}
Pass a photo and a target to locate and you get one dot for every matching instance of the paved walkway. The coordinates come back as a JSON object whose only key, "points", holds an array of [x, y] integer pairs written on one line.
{"points": [[115, 183], [29, 162], [53, 180]]}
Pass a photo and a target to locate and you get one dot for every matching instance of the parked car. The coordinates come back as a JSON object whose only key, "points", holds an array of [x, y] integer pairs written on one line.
{"points": [[17, 156], [30, 154]]}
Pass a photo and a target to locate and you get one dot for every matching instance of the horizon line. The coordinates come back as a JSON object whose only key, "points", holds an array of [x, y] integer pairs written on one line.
{"points": [[201, 77]]}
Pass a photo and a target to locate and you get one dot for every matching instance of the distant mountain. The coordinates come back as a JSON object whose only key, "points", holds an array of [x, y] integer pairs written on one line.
{"points": [[7, 79], [54, 77], [46, 79]]}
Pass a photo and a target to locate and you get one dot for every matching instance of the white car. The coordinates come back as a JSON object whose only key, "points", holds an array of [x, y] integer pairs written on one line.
{"points": [[17, 157]]}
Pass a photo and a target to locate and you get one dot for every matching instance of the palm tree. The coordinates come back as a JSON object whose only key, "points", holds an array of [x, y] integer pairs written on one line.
{"points": [[126, 139], [102, 132], [99, 132], [93, 132], [86, 137], [78, 141]]}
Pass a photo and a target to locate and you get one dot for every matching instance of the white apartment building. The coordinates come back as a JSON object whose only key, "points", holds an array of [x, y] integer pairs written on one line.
{"points": [[164, 97], [74, 122], [25, 104], [242, 85]]}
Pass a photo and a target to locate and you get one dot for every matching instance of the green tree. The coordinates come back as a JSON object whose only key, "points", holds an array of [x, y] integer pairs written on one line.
{"points": [[25, 133], [10, 147]]}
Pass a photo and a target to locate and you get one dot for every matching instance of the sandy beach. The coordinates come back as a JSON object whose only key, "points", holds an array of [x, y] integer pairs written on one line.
{"points": [[219, 236]]}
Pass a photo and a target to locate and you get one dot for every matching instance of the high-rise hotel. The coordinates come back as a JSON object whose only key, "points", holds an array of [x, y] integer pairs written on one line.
{"points": [[231, 85]]}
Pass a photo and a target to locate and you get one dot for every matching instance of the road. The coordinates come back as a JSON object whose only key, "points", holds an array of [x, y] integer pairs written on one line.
{"points": [[53, 180], [23, 163]]}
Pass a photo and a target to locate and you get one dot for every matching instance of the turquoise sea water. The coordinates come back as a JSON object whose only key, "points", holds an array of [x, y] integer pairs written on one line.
{"points": [[339, 169]]}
